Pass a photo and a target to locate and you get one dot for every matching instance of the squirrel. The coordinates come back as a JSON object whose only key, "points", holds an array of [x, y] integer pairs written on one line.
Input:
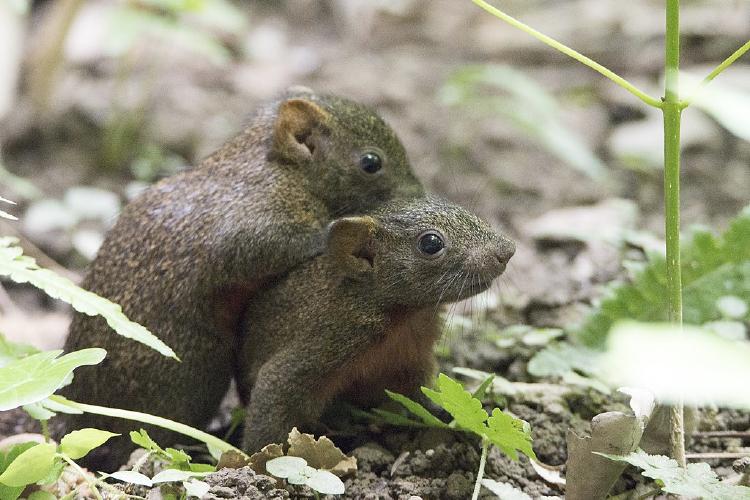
{"points": [[363, 316], [187, 255]]}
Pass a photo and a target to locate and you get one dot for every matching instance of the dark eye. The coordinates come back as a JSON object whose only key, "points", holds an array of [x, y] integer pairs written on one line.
{"points": [[370, 162], [431, 244]]}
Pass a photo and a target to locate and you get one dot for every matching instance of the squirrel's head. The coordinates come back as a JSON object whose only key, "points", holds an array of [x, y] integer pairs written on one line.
{"points": [[419, 252], [350, 157]]}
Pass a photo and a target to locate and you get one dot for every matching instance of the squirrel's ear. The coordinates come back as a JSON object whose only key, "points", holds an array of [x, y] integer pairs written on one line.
{"points": [[292, 133], [350, 243]]}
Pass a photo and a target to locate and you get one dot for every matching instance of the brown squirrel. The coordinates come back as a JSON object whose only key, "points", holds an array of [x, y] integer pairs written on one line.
{"points": [[185, 257], [362, 317]]}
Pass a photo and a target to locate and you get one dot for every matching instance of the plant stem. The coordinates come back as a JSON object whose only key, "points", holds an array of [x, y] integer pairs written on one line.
{"points": [[721, 67], [150, 419], [672, 115], [45, 430], [622, 82], [480, 472], [91, 484]]}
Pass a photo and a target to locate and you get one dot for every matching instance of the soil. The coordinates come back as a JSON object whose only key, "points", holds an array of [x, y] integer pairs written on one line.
{"points": [[172, 108]]}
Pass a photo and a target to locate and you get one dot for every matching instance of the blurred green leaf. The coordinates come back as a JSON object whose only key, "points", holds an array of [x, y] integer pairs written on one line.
{"points": [[30, 466], [695, 481], [526, 105], [712, 267], [78, 443], [726, 103], [36, 377], [23, 269]]}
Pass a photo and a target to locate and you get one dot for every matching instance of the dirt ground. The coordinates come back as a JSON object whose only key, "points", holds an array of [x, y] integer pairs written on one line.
{"points": [[170, 108]]}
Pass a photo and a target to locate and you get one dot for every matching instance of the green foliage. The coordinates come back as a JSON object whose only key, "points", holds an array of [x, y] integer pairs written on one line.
{"points": [[30, 466], [296, 471], [24, 269], [12, 492], [697, 480], [36, 377], [712, 267], [10, 351], [504, 431], [526, 105], [175, 459], [78, 444], [574, 364]]}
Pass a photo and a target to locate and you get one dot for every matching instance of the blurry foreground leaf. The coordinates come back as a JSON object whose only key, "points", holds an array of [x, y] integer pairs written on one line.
{"points": [[676, 364], [38, 376], [24, 269]]}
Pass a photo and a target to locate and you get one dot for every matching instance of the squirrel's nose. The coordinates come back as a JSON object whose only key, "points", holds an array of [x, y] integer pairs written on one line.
{"points": [[504, 250]]}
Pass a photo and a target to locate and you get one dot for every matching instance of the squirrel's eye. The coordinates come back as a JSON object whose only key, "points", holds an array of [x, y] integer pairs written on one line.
{"points": [[370, 162], [431, 244]]}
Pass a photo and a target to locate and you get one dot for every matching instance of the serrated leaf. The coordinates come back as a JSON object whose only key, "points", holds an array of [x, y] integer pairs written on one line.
{"points": [[417, 409], [78, 443], [142, 439], [30, 466], [24, 269], [465, 410], [712, 267], [133, 477], [696, 481], [38, 376], [509, 434]]}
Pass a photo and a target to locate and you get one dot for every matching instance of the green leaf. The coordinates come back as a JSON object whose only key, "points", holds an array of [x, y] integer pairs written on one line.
{"points": [[38, 412], [509, 434], [466, 410], [133, 477], [142, 439], [30, 466], [78, 443], [23, 269], [392, 418], [417, 409], [36, 377], [696, 481], [712, 268], [42, 495], [12, 492], [10, 351], [481, 391]]}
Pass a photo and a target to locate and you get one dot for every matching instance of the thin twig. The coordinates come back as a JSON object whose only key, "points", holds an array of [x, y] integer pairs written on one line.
{"points": [[721, 67], [587, 61]]}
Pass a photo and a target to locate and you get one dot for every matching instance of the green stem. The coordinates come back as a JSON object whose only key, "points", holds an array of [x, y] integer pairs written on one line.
{"points": [[150, 419], [672, 115], [91, 484], [622, 82], [45, 430], [480, 472], [721, 67]]}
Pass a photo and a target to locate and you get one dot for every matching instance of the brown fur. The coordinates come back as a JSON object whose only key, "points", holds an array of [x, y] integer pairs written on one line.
{"points": [[192, 252], [350, 324]]}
